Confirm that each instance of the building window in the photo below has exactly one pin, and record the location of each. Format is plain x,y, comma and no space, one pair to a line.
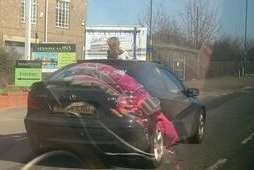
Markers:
62,13
34,11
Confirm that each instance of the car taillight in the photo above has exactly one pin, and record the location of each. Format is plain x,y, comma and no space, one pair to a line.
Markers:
33,103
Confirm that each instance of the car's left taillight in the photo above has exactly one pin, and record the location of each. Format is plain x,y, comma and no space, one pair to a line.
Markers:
37,97
33,103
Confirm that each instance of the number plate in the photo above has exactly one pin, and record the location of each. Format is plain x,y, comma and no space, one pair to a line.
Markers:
82,107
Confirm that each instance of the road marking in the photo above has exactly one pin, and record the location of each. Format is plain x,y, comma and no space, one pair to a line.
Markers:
249,138
20,139
217,165
247,88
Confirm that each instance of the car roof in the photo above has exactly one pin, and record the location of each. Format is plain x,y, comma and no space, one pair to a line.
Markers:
115,61
127,62
140,63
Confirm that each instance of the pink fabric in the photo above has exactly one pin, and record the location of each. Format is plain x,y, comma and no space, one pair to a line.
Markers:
126,103
167,127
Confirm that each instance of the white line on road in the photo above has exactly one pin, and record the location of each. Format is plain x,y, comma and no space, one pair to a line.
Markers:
247,88
249,138
217,165
20,139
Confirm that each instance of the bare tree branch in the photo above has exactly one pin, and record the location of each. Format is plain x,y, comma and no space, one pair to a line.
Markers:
165,29
200,22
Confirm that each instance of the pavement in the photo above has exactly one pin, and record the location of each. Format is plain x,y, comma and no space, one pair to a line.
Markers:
229,144
11,99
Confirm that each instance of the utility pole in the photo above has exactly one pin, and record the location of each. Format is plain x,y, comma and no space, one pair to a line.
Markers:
46,22
245,38
28,11
84,32
150,31
197,28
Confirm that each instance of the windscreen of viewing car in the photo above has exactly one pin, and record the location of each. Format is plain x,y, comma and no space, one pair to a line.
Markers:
127,84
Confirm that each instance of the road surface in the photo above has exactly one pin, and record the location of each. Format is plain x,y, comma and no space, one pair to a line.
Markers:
229,144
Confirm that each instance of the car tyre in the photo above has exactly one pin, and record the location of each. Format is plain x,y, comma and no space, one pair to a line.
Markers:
157,147
200,129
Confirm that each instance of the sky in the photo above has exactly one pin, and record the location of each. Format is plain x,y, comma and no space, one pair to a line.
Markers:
127,12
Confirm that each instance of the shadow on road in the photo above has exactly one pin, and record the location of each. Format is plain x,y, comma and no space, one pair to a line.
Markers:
16,148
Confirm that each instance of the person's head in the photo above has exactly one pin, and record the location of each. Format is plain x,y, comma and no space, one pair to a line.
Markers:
113,43
114,47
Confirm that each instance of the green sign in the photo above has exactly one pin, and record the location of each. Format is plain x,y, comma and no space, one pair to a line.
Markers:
27,73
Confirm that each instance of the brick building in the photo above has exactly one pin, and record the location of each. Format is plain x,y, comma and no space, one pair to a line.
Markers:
66,20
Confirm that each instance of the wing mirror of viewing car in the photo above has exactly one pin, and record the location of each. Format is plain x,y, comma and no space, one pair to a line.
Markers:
192,92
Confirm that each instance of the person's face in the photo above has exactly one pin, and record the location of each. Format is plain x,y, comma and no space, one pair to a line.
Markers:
113,45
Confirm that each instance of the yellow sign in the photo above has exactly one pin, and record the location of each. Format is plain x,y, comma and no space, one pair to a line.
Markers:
66,58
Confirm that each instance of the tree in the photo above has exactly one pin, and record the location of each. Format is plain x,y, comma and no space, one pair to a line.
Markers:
227,49
250,50
200,22
164,28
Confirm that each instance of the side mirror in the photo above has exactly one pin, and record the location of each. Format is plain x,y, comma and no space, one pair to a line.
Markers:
192,92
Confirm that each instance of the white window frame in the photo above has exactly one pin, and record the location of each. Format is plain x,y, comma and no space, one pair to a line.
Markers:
34,11
63,13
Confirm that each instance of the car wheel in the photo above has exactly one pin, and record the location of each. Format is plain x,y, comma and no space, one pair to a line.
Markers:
200,129
157,147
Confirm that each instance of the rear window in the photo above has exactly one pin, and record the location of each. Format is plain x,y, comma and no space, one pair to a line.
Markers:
144,73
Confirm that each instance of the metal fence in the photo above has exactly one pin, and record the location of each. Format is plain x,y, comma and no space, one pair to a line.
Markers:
7,67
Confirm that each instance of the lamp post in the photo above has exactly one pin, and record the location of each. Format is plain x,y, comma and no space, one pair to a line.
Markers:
28,9
46,22
150,30
245,38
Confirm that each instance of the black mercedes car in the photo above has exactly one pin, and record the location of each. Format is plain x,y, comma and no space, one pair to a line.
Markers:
63,113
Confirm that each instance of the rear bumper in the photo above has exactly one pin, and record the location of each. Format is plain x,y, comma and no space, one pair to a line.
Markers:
59,132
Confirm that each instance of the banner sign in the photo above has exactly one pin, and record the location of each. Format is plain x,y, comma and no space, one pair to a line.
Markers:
49,59
27,72
54,56
96,41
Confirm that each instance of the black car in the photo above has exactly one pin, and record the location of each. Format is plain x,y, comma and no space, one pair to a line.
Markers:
61,113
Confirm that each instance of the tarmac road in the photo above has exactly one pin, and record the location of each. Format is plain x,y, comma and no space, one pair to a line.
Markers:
229,144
